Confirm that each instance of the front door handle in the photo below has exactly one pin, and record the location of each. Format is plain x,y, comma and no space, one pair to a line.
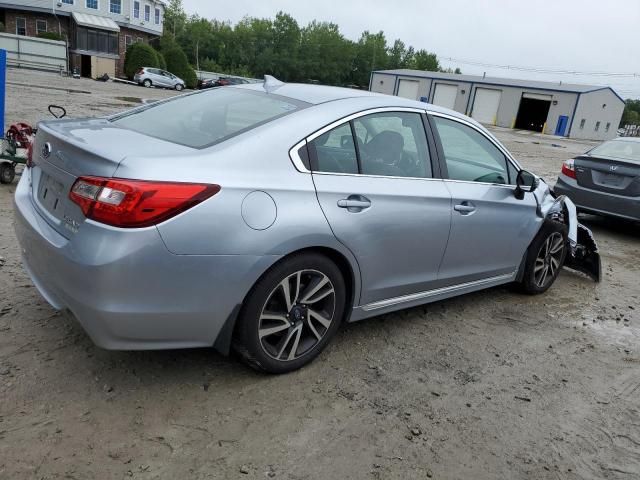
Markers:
465,208
354,203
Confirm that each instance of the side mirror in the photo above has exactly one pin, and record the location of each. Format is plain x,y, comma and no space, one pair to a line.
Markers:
525,182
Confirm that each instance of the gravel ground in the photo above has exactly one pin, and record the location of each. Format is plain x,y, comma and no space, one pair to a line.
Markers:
489,385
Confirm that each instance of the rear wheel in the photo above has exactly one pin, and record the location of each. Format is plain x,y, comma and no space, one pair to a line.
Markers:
291,314
147,83
7,173
545,258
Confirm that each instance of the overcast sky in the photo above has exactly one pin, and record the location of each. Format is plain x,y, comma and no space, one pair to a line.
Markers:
575,35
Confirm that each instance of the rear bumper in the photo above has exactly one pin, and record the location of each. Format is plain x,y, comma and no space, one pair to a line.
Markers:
125,288
601,203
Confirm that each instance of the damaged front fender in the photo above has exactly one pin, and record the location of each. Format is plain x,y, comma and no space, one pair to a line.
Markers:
583,253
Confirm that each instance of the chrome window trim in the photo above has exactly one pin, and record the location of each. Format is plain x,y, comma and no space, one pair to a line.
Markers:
432,293
499,146
297,161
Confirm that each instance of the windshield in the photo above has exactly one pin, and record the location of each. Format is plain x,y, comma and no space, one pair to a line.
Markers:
623,149
203,119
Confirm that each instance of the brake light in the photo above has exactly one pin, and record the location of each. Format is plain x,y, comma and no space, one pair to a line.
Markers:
140,71
136,203
568,168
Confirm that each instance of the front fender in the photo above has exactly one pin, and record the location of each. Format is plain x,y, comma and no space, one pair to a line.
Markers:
583,253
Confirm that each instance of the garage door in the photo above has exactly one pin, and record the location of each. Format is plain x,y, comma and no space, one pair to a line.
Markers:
408,89
445,95
485,105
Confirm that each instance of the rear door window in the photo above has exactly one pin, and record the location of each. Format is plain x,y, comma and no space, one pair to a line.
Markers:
203,119
334,151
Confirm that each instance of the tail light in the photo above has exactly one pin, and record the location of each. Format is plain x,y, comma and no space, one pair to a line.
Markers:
140,71
568,168
136,203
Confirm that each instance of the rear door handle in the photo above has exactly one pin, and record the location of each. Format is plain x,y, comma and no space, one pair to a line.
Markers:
465,208
354,203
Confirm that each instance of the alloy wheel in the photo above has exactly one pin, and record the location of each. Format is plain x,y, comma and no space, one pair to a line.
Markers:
297,315
549,259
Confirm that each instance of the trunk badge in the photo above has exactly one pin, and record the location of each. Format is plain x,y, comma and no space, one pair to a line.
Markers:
46,150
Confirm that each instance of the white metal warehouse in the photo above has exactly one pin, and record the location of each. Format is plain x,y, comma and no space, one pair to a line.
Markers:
563,109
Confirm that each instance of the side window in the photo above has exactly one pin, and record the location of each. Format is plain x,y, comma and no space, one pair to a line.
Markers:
334,151
469,155
393,144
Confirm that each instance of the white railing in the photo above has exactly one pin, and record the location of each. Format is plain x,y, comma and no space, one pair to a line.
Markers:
33,52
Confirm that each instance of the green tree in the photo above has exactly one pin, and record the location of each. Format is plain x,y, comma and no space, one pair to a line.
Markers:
370,54
325,55
631,114
139,55
175,18
424,60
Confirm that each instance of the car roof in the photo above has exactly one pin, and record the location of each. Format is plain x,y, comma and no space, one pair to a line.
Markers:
319,94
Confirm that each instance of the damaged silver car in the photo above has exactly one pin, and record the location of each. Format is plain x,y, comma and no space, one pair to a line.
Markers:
295,208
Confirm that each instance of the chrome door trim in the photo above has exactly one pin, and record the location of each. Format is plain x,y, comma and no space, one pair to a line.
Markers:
499,146
432,293
297,161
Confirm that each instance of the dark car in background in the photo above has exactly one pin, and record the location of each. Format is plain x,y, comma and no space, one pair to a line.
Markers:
605,180
221,82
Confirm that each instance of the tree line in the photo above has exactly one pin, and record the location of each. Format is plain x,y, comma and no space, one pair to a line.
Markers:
281,47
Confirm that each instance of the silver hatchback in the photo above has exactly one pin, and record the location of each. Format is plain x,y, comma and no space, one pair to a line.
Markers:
261,217
156,77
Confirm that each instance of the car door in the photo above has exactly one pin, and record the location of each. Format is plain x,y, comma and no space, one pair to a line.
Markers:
490,228
159,79
381,199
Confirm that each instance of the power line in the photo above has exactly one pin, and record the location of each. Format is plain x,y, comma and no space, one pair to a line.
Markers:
541,69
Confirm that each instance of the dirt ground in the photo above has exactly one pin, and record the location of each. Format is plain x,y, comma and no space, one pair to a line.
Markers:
492,385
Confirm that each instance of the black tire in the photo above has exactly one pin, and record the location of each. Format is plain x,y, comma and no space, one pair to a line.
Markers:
268,293
7,173
147,83
533,282
179,87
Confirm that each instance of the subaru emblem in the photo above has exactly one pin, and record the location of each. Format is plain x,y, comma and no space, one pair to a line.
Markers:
613,168
46,150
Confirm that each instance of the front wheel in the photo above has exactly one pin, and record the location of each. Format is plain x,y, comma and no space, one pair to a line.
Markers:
291,314
7,172
545,258
179,87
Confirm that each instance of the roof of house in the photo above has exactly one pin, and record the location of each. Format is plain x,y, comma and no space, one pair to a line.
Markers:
500,81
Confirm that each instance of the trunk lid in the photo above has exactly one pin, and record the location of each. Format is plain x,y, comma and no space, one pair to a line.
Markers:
66,149
620,177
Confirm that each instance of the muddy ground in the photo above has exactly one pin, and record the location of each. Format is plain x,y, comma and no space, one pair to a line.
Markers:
488,385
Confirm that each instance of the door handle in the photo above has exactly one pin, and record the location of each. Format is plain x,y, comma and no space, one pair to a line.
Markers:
465,208
354,203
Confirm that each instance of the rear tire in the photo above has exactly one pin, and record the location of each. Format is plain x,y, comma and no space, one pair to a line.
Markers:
147,83
7,173
291,314
545,258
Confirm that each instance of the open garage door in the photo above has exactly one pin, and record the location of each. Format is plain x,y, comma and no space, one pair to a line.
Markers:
445,95
485,105
408,89
533,111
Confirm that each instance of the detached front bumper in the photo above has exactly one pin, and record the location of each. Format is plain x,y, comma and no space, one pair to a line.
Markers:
125,288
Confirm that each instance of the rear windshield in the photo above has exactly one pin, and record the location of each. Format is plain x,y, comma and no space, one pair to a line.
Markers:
623,149
203,119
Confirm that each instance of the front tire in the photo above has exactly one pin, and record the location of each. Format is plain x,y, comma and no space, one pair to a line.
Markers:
291,314
179,87
545,258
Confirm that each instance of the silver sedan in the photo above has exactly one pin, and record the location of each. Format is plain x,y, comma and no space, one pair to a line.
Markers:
261,217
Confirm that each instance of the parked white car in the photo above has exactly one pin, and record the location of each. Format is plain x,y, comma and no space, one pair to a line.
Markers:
155,77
